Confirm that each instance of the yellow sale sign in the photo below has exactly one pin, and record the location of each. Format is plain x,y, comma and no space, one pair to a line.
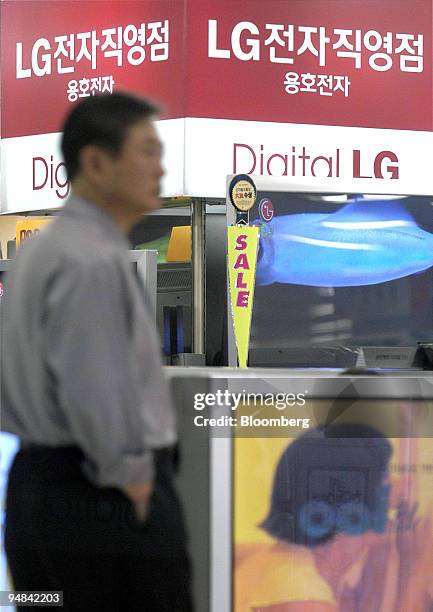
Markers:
242,258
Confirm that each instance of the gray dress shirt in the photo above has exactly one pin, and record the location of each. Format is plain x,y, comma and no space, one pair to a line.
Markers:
80,359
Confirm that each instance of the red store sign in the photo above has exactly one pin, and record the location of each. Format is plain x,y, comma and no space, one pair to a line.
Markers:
319,62
54,53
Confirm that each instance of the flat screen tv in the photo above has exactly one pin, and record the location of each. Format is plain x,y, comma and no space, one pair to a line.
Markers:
342,270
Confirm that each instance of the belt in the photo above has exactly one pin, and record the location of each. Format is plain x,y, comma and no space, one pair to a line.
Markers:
166,459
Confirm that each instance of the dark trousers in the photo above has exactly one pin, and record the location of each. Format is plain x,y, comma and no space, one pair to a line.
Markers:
63,533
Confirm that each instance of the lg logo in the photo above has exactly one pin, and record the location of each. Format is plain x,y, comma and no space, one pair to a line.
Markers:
266,210
385,161
299,161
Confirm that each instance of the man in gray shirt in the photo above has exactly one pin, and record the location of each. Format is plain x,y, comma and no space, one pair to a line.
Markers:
91,509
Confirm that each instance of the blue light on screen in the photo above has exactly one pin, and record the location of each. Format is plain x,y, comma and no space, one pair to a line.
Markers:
363,243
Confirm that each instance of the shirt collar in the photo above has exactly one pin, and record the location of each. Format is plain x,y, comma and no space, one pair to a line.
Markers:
79,208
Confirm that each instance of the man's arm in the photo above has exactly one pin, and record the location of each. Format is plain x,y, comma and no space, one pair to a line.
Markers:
88,354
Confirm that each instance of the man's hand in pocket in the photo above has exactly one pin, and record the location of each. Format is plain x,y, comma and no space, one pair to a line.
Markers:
140,495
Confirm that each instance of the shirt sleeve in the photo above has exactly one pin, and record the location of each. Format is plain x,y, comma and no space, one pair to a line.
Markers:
88,355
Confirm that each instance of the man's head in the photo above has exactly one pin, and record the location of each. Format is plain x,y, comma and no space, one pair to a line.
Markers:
112,152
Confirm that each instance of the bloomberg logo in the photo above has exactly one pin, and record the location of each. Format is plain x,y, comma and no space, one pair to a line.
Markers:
299,161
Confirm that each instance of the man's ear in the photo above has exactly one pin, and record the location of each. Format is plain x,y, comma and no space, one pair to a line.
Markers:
94,163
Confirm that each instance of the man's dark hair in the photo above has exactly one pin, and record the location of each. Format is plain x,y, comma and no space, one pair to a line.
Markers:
101,120
340,468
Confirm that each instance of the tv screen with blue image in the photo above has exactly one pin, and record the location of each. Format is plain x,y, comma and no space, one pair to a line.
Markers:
342,270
